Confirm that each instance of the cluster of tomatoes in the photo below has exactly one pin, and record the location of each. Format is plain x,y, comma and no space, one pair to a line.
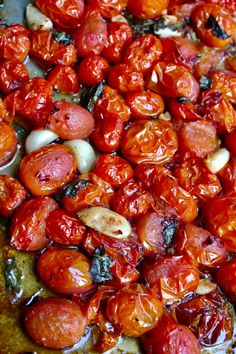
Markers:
170,280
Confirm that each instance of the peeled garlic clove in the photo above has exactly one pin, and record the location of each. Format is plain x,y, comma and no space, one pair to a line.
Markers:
39,138
83,153
35,19
215,162
106,221
205,287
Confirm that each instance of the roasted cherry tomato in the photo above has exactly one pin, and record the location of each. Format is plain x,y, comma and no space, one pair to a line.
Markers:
225,82
125,79
46,170
134,310
147,9
91,37
207,59
64,79
113,169
119,36
13,74
55,323
183,11
225,277
227,176
230,142
14,42
150,141
70,121
12,194
183,109
230,5
219,215
145,174
62,227
230,63
209,317
213,25
28,224
171,278
66,14
8,143
109,9
64,271
92,70
3,111
145,104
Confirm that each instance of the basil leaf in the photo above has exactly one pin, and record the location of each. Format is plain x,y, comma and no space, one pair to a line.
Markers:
101,263
216,29
205,83
71,189
170,227
62,37
182,99
12,274
89,97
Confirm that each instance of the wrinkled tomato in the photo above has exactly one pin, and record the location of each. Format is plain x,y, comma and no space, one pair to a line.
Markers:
225,277
109,9
225,82
64,79
227,176
92,70
12,194
8,143
13,74
145,104
125,79
147,9
14,42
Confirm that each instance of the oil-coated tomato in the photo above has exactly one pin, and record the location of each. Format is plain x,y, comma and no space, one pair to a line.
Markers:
230,142
171,278
225,82
230,63
28,224
14,42
64,271
12,194
32,102
200,246
125,79
145,174
48,51
113,169
13,74
92,70
213,25
55,323
145,104
143,53
209,317
219,215
134,310
119,36
230,5
171,80
207,59
183,109
131,200
65,14
183,11
225,277
150,141
91,37
8,143
109,9
70,121
147,9
64,228
174,339
46,170
64,79
3,111
227,176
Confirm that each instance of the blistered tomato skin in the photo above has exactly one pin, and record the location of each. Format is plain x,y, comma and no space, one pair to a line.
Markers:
14,42
13,74
8,143
12,194
46,170
55,323
230,142
64,79
109,9
144,104
28,224
227,177
183,111
125,79
92,70
225,278
225,82
147,9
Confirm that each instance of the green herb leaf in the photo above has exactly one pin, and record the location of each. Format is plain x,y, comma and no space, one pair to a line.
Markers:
71,189
89,97
182,99
216,29
170,227
62,38
205,83
101,263
12,274
20,132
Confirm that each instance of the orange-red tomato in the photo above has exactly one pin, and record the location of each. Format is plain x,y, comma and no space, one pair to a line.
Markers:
13,74
134,310
145,174
64,79
64,271
147,9
219,215
70,121
182,11
225,277
92,70
171,278
213,25
119,36
230,5
171,80
66,14
3,110
48,52
8,143
109,9
28,224
64,228
184,110
150,141
14,42
230,142
55,323
225,82
144,104
125,79
207,59
230,63
91,37
12,194
46,170
200,246
227,176
113,169
131,200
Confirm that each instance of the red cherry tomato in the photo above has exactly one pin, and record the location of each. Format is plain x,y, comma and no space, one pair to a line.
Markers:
109,9
92,70
3,111
46,170
230,63
147,9
28,224
230,5
14,42
182,11
64,79
225,82
225,278
8,143
144,104
125,79
13,74
207,59
230,142
183,109
227,176
12,194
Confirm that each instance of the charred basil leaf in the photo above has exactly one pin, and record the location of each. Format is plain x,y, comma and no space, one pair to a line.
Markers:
62,38
205,83
90,96
216,29
12,274
170,227
182,99
101,263
71,189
